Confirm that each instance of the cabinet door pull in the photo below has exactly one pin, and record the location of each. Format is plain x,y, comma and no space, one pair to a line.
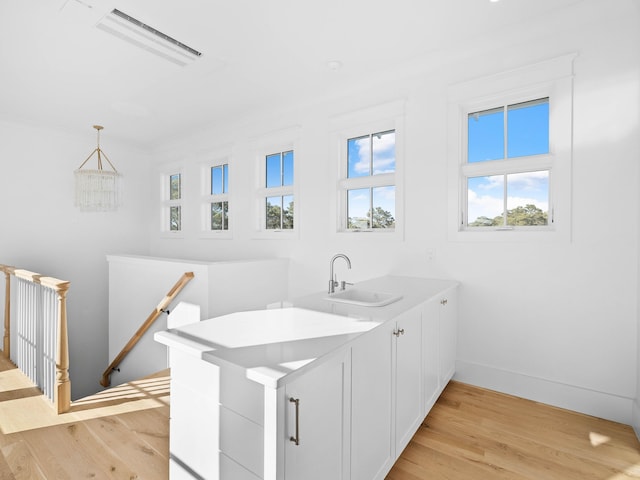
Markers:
443,302
296,439
399,332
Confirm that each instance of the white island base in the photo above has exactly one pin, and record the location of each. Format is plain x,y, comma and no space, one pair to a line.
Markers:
321,390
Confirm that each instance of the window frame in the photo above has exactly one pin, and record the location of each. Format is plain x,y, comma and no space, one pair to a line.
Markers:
366,122
207,198
167,203
281,141
506,165
552,79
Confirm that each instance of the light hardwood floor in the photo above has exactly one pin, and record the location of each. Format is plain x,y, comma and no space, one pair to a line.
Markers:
471,434
121,433
476,434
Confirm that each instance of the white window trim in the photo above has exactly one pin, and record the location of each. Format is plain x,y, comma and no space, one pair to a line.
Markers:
553,79
381,118
218,158
166,172
276,142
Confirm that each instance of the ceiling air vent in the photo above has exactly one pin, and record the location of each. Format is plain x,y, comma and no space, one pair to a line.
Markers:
142,35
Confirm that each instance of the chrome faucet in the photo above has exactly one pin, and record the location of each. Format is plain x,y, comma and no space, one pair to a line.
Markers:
333,281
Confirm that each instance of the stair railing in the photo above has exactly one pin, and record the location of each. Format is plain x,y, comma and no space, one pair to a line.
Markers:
155,313
39,320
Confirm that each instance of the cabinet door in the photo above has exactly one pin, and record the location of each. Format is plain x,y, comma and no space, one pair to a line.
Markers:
409,400
448,335
431,353
317,421
372,447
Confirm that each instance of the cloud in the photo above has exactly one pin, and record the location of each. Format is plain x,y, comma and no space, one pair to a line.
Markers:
485,195
483,205
363,154
384,155
492,206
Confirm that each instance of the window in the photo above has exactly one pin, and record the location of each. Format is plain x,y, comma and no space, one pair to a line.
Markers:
218,202
278,192
371,159
276,209
368,150
510,154
507,168
173,202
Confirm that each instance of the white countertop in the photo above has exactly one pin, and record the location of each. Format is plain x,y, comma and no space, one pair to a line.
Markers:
275,346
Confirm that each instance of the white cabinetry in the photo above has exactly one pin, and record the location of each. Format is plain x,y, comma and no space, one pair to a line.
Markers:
386,394
448,314
408,381
338,400
439,344
372,435
225,427
316,430
431,353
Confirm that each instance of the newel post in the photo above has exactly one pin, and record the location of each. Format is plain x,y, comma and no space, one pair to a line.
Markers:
6,340
63,384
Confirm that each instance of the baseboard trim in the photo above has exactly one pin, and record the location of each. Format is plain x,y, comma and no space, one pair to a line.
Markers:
636,418
590,402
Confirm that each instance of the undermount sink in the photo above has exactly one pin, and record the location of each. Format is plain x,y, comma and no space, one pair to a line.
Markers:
365,298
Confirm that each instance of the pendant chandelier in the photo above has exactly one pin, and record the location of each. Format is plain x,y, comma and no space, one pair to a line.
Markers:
97,190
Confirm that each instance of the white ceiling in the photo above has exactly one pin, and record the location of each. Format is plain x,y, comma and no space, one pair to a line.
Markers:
58,69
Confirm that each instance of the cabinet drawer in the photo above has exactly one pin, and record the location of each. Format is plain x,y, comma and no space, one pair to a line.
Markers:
242,395
198,451
242,440
192,371
230,470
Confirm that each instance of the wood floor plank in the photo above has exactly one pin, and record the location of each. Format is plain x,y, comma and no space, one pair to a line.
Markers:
23,463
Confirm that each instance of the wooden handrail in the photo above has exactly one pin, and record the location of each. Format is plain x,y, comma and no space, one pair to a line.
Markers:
161,307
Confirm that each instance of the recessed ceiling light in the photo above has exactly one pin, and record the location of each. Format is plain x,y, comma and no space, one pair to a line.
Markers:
334,65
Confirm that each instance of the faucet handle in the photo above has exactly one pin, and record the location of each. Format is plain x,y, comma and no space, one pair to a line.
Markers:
343,285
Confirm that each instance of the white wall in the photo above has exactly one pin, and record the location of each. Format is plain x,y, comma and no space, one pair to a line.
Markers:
42,231
555,322
636,404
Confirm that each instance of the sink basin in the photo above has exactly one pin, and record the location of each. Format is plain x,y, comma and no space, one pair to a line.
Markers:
365,298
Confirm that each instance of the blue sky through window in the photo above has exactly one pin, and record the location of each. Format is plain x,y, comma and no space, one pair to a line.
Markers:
368,155
279,169
527,133
219,179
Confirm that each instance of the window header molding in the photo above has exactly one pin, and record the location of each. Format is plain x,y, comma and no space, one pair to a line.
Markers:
367,118
504,82
280,139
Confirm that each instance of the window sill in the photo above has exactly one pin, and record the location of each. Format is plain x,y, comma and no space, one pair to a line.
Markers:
383,234
276,235
509,235
216,234
173,235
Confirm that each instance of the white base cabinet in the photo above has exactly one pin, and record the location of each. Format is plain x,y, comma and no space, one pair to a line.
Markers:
448,317
317,423
408,378
439,344
348,416
372,433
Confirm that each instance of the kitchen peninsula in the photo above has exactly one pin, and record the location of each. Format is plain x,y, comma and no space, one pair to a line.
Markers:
320,389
